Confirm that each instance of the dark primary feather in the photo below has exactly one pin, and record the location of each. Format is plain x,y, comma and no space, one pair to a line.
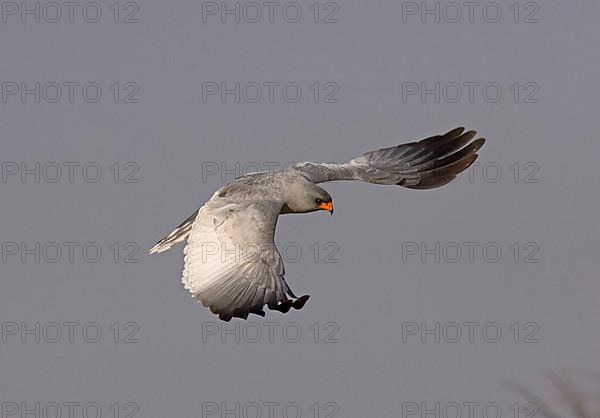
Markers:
426,164
429,163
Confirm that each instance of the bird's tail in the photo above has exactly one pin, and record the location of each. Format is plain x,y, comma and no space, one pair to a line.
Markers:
427,164
178,235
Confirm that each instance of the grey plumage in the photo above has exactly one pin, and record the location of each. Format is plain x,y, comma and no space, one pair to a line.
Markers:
429,163
231,263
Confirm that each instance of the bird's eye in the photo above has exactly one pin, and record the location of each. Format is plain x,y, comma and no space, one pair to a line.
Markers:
318,201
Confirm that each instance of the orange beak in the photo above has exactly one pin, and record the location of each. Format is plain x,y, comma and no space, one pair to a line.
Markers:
327,206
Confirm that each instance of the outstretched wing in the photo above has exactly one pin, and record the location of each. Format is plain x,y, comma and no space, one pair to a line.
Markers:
426,164
231,263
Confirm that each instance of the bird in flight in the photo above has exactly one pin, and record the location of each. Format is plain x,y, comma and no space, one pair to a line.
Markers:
231,264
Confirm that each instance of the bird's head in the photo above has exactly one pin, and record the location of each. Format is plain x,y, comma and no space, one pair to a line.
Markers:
304,196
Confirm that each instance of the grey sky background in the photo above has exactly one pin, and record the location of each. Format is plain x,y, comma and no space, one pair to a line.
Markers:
371,291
